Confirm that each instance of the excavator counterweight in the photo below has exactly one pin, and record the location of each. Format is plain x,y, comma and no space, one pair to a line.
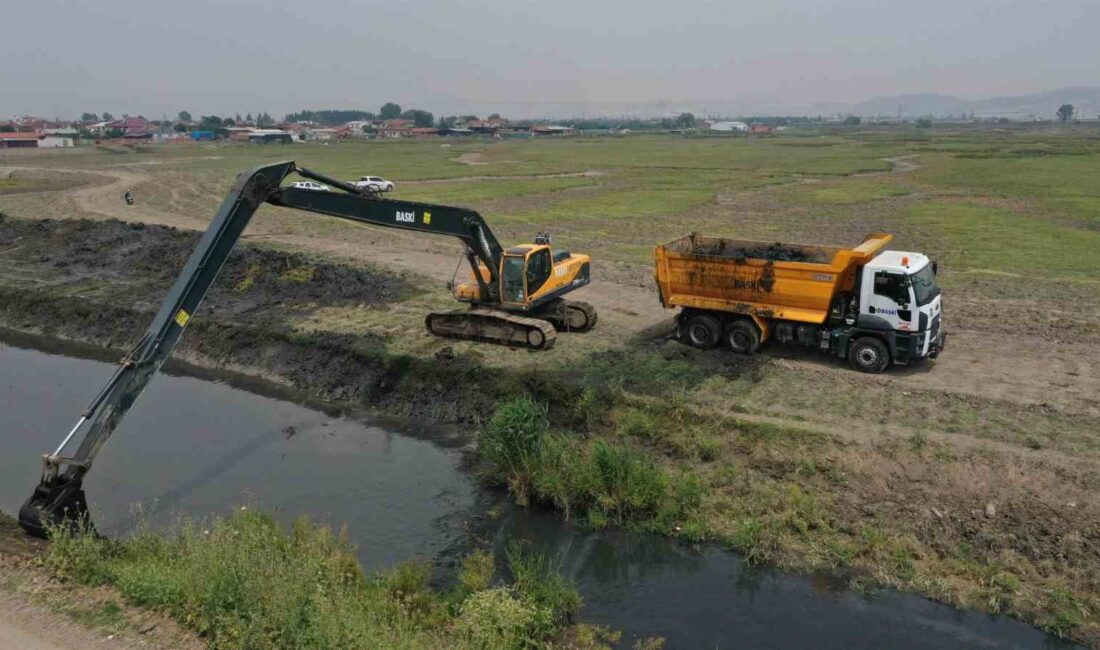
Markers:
515,299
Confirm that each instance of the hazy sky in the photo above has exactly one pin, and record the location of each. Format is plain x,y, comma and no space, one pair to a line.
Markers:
569,57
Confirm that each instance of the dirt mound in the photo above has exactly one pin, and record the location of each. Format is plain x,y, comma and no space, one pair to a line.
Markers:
776,252
14,541
152,256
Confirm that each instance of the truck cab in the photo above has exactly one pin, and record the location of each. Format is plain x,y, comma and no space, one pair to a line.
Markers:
899,298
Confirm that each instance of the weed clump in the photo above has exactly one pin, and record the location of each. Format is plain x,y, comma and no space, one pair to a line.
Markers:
608,483
247,582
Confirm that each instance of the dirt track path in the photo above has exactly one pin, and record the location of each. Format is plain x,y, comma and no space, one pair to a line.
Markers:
987,365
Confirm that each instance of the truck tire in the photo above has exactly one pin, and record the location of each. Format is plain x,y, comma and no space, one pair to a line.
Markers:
743,336
703,331
869,354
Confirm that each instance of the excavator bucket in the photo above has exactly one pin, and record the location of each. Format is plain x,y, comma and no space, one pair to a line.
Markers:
55,504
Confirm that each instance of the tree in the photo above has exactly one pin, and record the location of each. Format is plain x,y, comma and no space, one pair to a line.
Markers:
7,128
107,117
467,118
180,128
263,119
390,111
446,122
184,116
228,122
852,120
924,122
1065,112
494,116
89,117
418,117
210,122
685,121
248,118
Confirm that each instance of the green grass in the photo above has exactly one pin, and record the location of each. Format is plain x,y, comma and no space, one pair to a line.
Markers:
983,238
246,582
848,193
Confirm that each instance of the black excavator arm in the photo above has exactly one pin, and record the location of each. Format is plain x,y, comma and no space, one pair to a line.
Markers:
59,497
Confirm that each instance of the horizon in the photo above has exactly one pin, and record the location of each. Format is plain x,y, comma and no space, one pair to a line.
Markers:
580,60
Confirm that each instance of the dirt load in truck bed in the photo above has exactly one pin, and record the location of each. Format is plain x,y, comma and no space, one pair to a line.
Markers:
776,252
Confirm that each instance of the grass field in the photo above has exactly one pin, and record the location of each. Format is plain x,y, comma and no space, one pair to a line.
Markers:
798,460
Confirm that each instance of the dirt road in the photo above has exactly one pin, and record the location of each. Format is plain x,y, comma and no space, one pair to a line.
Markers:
989,365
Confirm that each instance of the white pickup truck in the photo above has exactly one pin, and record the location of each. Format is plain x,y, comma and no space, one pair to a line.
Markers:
376,183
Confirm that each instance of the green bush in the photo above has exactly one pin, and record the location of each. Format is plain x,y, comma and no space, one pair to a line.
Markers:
496,618
476,573
539,582
247,582
513,437
638,424
607,483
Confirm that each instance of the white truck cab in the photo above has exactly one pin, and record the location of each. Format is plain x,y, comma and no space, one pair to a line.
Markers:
898,296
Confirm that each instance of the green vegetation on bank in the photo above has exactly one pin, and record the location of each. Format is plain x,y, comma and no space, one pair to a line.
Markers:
775,494
247,582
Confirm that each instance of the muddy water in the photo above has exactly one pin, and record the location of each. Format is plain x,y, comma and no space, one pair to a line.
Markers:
198,445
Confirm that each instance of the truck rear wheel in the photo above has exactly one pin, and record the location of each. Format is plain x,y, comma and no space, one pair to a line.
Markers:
703,331
743,336
869,354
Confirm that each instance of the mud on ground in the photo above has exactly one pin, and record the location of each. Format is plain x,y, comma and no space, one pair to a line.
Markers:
101,282
148,258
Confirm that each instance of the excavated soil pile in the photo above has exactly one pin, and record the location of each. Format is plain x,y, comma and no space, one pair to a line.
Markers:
776,252
147,258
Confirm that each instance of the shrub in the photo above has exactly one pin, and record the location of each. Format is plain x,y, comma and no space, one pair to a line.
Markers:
495,618
608,483
514,434
540,583
637,423
476,573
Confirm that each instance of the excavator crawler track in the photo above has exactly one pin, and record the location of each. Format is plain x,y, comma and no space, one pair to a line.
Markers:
580,316
493,326
569,315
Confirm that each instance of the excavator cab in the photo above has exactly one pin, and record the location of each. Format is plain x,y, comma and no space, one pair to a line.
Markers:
524,272
530,276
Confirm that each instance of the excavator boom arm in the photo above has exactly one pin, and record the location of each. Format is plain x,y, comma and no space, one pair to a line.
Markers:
59,496
467,225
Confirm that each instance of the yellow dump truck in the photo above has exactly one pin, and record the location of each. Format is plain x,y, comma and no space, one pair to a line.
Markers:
872,306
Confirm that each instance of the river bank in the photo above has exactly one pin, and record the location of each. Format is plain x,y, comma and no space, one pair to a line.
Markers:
896,510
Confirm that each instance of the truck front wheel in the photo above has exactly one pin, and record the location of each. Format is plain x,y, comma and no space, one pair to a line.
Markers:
703,331
743,336
869,355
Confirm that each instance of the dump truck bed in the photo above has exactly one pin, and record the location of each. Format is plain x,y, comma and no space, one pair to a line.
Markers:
769,280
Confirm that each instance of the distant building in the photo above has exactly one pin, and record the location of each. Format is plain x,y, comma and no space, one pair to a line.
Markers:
19,140
270,136
202,136
395,128
728,127
322,135
760,128
56,141
486,126
131,125
552,129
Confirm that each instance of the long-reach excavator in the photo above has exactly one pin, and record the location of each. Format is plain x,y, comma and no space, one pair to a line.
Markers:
514,297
